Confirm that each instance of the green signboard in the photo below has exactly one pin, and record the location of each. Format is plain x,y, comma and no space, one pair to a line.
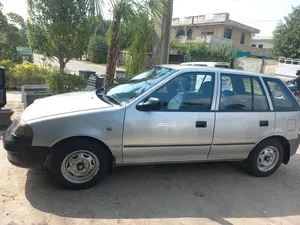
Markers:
24,51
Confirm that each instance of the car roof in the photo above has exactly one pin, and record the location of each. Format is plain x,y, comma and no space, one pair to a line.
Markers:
215,69
206,63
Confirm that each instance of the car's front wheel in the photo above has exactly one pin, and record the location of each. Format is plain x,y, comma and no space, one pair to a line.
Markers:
265,158
79,164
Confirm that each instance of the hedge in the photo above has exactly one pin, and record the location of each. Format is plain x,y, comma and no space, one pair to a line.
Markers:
97,49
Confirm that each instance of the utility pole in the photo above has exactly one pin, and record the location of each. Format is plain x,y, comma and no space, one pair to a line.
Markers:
166,30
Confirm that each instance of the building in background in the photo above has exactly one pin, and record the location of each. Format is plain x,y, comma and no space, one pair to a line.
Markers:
216,29
264,42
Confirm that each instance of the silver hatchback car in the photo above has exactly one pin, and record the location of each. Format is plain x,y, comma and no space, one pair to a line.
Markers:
169,114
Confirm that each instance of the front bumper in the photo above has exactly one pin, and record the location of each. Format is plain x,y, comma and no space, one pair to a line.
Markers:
21,153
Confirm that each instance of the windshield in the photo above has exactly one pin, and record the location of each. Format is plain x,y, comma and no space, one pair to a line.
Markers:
124,93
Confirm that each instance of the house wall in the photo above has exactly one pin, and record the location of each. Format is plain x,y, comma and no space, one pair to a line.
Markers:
266,43
197,30
219,31
236,38
256,65
248,64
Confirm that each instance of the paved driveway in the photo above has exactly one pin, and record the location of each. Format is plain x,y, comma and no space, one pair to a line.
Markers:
73,65
205,193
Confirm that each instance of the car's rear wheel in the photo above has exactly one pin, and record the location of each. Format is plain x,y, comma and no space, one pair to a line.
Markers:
79,164
265,158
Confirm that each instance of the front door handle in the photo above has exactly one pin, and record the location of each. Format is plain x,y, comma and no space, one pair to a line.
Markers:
201,124
263,123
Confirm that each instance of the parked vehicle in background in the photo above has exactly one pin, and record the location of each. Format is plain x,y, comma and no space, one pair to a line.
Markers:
295,90
209,64
169,114
288,68
294,86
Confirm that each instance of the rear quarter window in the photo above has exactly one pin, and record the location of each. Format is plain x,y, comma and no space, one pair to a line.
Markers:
282,98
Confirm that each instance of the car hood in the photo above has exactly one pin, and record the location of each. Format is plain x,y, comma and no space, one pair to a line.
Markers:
64,103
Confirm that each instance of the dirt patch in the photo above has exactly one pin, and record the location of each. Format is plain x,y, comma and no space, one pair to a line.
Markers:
17,107
203,193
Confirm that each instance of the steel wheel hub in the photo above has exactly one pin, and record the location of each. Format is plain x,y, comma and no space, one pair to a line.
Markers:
268,158
80,166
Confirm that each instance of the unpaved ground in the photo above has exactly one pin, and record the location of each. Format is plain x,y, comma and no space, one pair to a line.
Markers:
205,193
14,103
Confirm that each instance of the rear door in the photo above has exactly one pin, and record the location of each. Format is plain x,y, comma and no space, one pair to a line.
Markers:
243,116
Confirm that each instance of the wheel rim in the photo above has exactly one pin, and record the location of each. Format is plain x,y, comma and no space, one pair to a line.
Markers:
80,166
267,158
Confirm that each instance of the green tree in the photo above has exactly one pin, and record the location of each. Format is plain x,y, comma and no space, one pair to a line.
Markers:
97,49
3,19
59,28
286,39
10,38
99,25
18,20
140,43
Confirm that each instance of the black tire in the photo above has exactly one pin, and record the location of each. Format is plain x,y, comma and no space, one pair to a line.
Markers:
62,150
252,164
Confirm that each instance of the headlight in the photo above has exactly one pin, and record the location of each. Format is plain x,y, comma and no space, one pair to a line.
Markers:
21,129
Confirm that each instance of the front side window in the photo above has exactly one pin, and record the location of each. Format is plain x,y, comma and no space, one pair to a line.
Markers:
242,93
187,92
125,93
282,98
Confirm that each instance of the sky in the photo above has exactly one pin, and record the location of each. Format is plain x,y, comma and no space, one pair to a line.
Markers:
260,14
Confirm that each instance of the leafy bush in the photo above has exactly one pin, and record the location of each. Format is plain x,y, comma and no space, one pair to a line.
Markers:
180,48
58,83
97,49
7,64
27,73
203,52
209,53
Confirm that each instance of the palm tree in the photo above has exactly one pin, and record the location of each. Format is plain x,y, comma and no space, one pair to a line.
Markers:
126,11
166,27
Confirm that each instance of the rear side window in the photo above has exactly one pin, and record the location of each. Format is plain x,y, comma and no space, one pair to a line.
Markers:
242,93
282,98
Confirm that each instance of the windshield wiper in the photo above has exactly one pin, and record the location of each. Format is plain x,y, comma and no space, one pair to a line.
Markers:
102,93
112,99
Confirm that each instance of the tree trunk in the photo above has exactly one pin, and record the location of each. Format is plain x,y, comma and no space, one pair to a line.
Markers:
166,29
62,65
113,52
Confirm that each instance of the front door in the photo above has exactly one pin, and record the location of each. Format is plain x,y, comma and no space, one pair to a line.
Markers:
181,130
243,118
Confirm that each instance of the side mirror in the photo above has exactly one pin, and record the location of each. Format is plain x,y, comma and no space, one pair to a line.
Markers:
152,104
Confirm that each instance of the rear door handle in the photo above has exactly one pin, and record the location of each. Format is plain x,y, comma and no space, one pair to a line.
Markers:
263,123
201,124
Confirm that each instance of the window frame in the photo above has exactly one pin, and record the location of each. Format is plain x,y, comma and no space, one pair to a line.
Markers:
214,92
296,106
226,28
251,77
243,38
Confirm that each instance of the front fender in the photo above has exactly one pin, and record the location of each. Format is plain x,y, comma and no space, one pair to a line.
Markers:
103,125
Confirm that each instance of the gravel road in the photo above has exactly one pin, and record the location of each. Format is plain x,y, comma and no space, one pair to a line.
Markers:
204,193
